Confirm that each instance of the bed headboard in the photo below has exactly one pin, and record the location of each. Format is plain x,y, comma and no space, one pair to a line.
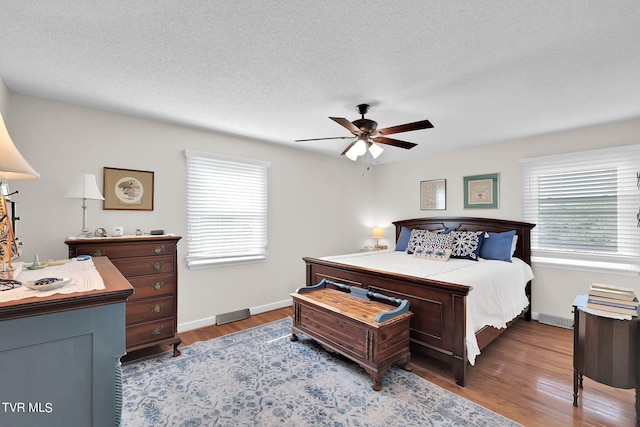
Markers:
523,229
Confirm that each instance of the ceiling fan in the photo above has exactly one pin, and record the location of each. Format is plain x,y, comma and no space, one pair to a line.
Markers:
367,134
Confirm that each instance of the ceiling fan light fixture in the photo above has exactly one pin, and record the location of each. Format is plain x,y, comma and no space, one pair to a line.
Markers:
375,150
360,147
351,155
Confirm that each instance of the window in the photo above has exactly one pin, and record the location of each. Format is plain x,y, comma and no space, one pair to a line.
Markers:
585,206
226,210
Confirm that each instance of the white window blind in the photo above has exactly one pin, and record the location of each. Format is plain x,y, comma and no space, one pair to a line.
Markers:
226,209
585,206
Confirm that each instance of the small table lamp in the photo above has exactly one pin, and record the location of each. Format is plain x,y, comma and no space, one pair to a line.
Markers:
84,187
12,166
378,233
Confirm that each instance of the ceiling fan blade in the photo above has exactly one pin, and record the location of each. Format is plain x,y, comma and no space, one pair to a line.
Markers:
394,142
347,124
320,139
424,124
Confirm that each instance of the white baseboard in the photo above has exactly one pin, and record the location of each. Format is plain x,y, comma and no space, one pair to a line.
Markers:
208,321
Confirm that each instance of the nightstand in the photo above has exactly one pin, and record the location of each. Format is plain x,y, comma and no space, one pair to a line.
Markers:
605,350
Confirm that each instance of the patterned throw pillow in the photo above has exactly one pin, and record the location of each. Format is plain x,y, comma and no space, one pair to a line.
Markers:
428,239
436,254
466,244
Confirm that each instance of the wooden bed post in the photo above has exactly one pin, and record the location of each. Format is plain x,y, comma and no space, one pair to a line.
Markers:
459,346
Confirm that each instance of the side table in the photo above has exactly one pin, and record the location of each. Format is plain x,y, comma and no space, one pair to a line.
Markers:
605,350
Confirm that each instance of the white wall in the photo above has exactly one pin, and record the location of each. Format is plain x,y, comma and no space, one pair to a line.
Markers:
397,196
318,205
4,100
313,199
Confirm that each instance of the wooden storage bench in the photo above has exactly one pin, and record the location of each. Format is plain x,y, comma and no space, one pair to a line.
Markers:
356,324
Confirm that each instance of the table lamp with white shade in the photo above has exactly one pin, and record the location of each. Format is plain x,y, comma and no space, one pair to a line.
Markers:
12,166
84,187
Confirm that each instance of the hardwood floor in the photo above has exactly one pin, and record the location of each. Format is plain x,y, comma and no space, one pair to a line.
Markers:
526,375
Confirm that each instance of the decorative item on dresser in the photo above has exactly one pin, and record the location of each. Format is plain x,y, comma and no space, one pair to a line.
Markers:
84,187
150,264
12,166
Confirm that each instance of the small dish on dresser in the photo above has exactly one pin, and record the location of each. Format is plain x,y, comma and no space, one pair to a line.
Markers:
47,284
35,266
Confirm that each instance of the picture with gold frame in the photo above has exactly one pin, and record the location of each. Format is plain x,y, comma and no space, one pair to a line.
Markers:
127,189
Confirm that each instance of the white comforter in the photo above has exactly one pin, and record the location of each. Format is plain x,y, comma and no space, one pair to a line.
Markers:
498,293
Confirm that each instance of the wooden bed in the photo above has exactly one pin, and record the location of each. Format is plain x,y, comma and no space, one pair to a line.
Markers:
438,326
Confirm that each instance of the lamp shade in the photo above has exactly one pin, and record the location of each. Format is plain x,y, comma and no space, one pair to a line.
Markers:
12,164
351,154
84,187
360,147
357,149
377,232
375,150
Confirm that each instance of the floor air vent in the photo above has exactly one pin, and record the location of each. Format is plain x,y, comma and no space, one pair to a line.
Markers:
233,316
555,321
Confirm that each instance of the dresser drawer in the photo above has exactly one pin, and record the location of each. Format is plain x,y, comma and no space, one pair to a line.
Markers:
150,309
153,286
147,332
142,266
123,250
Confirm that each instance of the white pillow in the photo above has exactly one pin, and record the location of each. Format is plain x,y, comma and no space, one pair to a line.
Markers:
436,254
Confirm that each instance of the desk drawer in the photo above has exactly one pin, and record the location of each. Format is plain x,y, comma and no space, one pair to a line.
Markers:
150,309
146,265
143,333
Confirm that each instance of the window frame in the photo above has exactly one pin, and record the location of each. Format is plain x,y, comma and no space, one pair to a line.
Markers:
626,161
239,228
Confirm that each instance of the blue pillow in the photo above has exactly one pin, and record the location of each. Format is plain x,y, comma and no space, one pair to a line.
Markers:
403,239
497,246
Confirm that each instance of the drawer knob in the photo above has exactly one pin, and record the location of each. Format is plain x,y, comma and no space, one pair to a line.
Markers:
156,308
157,266
158,249
157,331
157,286
99,252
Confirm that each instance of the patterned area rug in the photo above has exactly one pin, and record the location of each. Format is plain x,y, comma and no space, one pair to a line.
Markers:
258,377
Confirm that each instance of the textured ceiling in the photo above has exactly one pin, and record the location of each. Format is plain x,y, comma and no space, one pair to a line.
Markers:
480,71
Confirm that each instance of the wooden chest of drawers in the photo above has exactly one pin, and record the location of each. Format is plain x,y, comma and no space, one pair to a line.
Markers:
150,264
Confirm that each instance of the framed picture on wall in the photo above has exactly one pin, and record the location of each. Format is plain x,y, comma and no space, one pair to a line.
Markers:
433,194
481,191
127,189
